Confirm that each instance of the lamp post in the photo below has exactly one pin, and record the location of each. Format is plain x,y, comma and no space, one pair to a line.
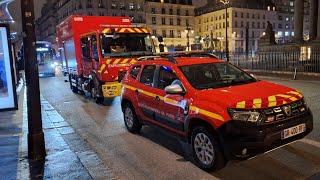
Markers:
188,37
36,144
226,3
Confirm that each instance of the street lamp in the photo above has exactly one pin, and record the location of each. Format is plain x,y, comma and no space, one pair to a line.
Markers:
188,30
226,3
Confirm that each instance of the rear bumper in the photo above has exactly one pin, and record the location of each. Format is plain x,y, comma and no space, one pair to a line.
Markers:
242,140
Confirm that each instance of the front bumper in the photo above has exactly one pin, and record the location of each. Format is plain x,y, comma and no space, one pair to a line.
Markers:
244,140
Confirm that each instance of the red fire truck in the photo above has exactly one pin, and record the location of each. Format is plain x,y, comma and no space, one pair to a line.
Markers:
98,49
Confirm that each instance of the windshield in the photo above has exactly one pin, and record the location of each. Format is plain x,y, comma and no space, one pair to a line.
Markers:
215,75
126,44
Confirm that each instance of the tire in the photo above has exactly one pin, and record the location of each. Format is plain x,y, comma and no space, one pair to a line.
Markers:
95,90
73,89
206,151
130,119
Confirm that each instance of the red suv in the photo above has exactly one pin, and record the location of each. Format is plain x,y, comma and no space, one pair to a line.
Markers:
223,112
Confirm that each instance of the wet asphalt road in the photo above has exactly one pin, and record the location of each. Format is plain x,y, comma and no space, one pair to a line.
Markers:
156,155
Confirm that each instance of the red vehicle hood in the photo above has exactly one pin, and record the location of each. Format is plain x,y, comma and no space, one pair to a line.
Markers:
261,94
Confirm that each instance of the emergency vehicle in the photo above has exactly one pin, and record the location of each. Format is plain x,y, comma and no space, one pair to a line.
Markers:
97,49
223,112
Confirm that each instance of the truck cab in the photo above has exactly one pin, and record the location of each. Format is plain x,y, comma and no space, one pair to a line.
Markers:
99,49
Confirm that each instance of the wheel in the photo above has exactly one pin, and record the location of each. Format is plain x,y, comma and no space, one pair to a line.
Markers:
73,89
96,90
206,150
130,119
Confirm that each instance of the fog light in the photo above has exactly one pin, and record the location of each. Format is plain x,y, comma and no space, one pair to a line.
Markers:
244,151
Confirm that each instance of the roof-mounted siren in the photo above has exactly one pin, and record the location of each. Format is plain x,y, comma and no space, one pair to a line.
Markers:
5,16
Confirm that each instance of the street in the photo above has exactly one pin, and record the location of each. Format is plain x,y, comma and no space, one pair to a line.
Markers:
154,154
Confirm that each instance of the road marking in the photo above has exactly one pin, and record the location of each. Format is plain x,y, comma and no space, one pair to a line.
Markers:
310,142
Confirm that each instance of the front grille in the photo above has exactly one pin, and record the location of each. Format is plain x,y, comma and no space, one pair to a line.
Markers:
284,112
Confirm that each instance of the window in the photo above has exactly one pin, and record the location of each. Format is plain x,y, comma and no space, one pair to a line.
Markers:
163,10
154,20
178,22
124,44
280,26
242,15
166,77
154,32
178,12
131,6
235,14
94,47
258,25
135,71
164,33
171,21
236,24
241,24
253,26
253,34
215,75
171,34
248,15
147,75
187,22
171,11
187,12
179,33
163,20
153,10
85,48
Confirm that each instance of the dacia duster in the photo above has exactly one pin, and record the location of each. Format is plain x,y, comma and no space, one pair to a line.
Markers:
222,111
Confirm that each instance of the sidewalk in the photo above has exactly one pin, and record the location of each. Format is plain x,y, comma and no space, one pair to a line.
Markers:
68,156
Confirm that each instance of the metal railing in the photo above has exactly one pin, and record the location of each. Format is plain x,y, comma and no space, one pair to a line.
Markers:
306,62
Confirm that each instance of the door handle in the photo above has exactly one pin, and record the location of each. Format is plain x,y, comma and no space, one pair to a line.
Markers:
157,98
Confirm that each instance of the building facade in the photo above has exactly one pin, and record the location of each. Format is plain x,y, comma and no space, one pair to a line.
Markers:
243,26
55,11
173,20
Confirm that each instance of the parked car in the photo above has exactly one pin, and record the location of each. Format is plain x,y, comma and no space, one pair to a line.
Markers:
223,112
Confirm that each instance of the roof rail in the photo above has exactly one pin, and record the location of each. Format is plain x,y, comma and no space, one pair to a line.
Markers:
170,56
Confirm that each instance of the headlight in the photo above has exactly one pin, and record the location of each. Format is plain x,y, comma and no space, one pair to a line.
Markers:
52,65
250,116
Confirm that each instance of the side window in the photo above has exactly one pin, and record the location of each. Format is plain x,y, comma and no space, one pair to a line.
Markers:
85,48
166,77
147,75
135,71
94,47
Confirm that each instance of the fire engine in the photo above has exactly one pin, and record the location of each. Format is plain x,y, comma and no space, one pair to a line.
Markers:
97,49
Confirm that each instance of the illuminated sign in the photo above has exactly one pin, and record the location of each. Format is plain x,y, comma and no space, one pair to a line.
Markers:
8,96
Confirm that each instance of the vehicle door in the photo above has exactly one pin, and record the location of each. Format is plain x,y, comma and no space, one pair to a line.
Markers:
145,93
171,106
86,55
95,52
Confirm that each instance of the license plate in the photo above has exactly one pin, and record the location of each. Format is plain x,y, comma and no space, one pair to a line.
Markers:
287,133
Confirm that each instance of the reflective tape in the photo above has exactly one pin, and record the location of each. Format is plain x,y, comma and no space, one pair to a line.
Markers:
171,101
124,61
257,103
272,101
241,105
116,61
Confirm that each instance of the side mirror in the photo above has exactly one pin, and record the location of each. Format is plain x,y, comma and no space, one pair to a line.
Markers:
174,89
121,75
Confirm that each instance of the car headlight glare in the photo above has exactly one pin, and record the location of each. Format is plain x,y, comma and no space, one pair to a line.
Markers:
250,116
